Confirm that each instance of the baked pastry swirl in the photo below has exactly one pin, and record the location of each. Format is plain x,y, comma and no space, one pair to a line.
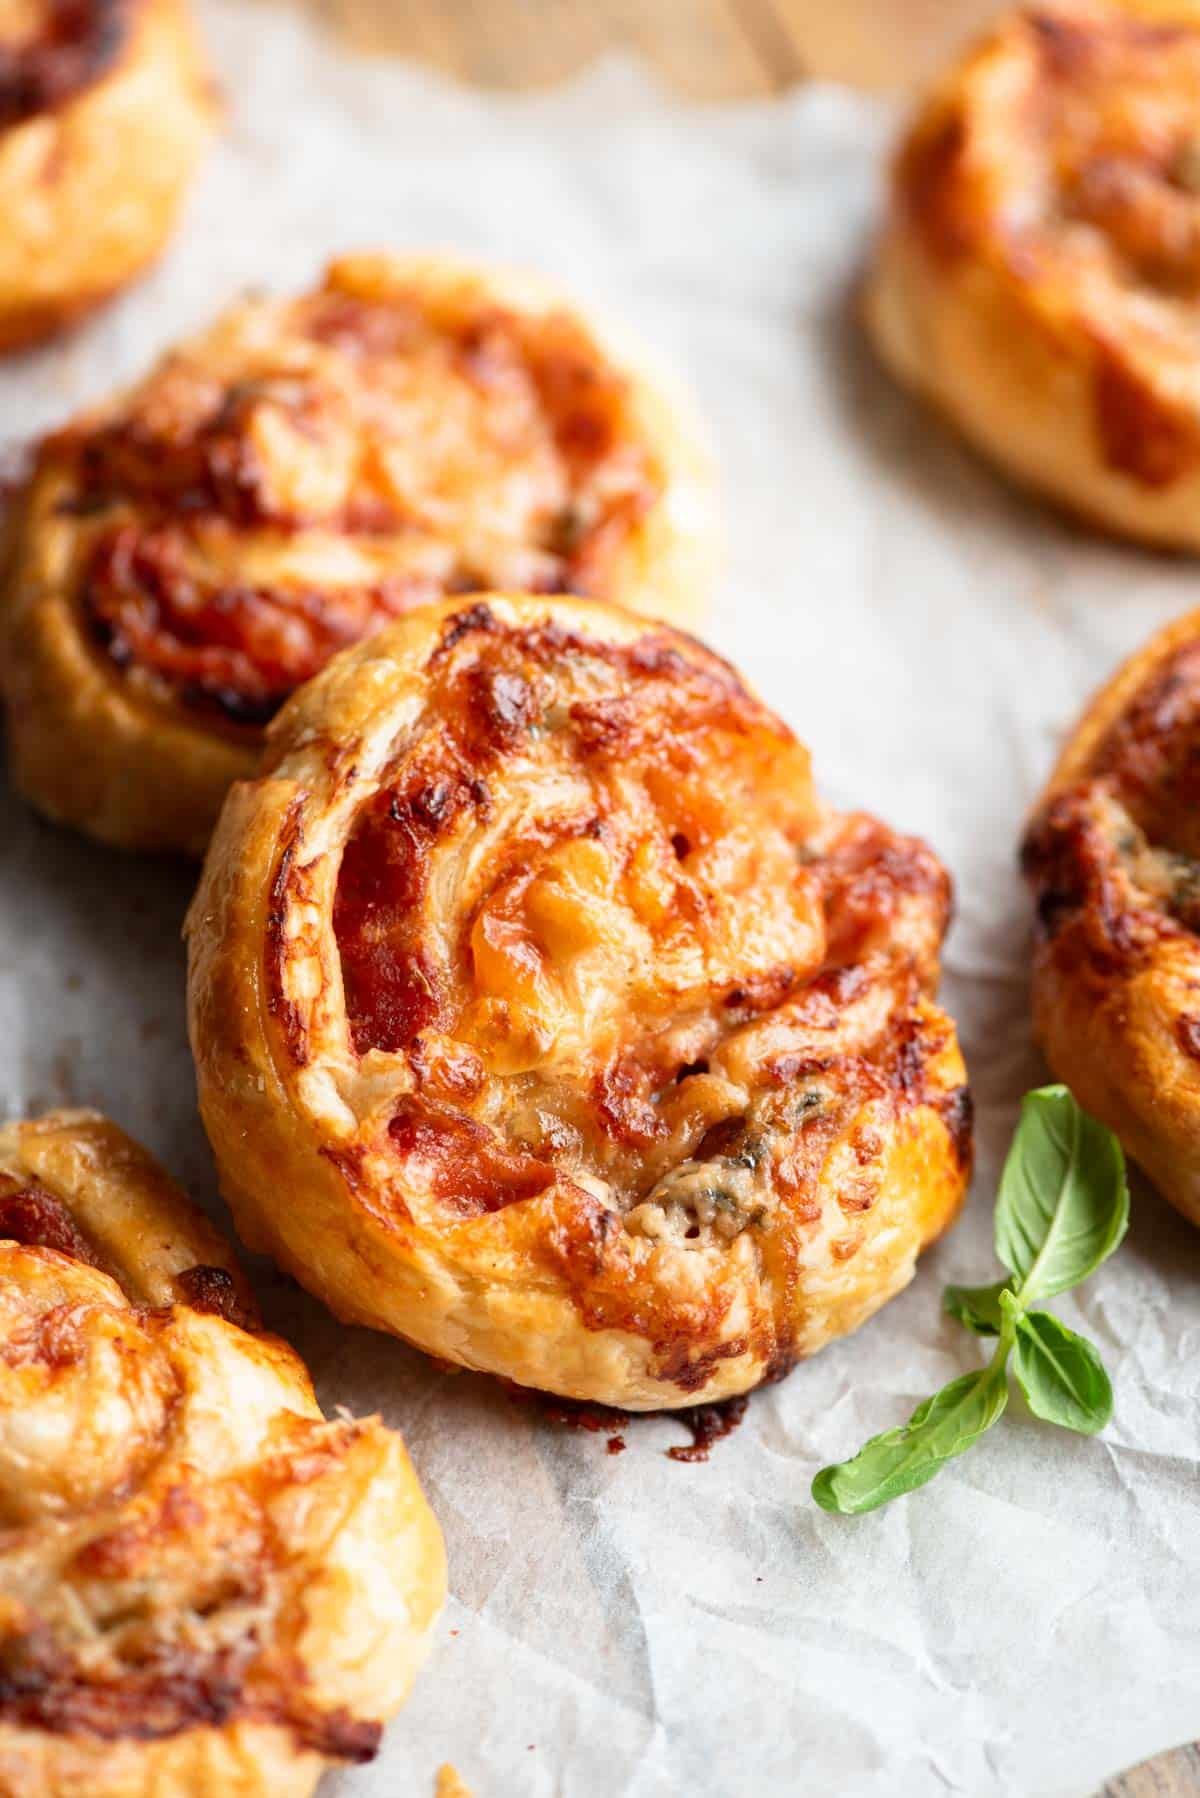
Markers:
205,1588
1038,278
542,1014
1112,855
293,480
105,108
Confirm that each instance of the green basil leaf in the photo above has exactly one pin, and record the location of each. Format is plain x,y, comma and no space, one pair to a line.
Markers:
900,1460
976,1306
1061,1374
1063,1205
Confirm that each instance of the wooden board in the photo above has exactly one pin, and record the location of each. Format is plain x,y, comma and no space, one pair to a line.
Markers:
1172,1775
706,50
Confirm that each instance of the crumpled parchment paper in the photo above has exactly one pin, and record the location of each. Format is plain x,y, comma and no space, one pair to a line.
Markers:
1027,1624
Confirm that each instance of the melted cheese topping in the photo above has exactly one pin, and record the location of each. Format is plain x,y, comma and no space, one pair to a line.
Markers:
312,468
170,1498
1118,850
543,1015
595,908
1066,153
1112,855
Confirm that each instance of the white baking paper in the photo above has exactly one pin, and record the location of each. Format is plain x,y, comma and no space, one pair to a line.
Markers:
1030,1622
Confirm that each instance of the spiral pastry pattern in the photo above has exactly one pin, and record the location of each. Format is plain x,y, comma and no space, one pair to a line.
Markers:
303,474
1039,274
543,1015
105,108
205,1588
1112,855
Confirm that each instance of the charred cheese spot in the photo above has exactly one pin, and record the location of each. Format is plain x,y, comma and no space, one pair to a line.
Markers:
213,1291
314,468
53,50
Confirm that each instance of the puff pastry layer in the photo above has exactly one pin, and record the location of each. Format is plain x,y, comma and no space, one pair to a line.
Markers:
205,1588
1039,275
295,479
105,108
543,1015
1113,857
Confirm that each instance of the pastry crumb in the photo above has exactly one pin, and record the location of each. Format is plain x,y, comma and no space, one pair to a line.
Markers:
449,1784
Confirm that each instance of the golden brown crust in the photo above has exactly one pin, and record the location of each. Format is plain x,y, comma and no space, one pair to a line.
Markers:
293,480
205,1588
1112,855
1038,277
586,1046
105,108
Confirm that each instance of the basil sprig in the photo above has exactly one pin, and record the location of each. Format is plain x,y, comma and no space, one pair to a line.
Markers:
1062,1208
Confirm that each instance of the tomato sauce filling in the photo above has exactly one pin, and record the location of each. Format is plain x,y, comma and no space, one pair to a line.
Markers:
34,1218
236,651
169,1688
